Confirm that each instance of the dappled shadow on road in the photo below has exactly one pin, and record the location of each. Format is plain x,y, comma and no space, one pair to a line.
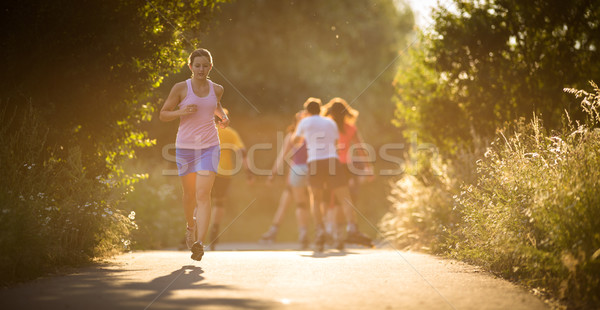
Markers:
107,288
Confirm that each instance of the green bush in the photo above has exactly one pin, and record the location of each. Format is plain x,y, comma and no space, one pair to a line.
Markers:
534,214
530,212
157,203
53,213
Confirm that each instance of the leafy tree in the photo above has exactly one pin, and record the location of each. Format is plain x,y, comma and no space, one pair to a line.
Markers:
89,66
489,62
274,54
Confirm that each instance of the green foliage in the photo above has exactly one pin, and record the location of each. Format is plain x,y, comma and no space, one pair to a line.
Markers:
286,51
89,67
425,105
158,207
534,214
85,70
490,62
311,47
530,210
54,212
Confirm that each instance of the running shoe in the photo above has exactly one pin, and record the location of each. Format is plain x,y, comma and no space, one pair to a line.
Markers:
190,233
357,237
329,241
338,239
303,239
338,243
320,238
197,251
269,236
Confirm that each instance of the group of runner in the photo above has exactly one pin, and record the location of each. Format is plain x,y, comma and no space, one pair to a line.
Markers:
205,152
319,145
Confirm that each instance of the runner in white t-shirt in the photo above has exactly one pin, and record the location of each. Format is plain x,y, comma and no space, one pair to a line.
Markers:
321,135
325,171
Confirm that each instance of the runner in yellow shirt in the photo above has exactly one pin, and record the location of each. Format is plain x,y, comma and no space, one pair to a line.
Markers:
230,164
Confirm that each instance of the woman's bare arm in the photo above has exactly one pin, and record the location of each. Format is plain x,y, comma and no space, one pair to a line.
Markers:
167,113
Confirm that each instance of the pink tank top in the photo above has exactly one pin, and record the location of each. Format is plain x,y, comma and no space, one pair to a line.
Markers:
198,130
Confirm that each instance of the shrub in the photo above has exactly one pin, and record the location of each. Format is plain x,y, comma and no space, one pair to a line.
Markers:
530,212
53,213
158,206
534,214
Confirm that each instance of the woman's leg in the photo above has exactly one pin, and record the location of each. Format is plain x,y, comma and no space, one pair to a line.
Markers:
284,200
271,234
188,183
204,183
342,194
316,193
302,212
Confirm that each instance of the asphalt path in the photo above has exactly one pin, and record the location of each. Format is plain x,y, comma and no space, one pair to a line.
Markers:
249,276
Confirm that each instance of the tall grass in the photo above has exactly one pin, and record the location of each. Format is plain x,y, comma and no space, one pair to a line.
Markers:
421,206
52,213
423,214
533,214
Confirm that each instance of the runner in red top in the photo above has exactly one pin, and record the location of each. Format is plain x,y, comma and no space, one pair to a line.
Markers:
349,140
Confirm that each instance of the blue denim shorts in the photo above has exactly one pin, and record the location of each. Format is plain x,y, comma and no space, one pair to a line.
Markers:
191,160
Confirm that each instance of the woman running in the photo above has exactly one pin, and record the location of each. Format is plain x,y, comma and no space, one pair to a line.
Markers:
195,102
349,138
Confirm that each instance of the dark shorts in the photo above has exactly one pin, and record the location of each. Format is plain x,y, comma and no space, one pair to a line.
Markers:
220,187
327,174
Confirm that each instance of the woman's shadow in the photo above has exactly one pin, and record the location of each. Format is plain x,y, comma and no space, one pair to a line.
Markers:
186,277
189,277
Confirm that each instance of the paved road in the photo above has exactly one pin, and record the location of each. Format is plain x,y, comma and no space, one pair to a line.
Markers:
273,279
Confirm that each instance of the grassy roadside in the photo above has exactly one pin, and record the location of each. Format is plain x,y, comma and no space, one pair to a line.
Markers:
531,215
